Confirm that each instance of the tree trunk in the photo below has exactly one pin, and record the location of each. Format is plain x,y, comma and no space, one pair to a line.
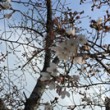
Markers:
107,103
33,101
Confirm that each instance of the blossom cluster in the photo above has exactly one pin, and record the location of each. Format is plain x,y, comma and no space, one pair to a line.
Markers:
51,73
69,48
66,50
63,92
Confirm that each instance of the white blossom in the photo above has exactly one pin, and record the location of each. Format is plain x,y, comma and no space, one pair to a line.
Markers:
66,49
9,1
87,100
71,32
64,93
75,78
99,21
52,69
69,48
65,46
62,51
51,85
72,45
83,68
79,60
81,39
63,55
45,76
71,107
9,108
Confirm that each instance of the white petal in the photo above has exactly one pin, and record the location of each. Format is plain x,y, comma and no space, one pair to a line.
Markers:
49,70
62,95
71,32
99,21
54,48
52,68
75,78
9,1
79,60
73,45
51,85
81,39
63,56
44,74
43,78
67,94
53,65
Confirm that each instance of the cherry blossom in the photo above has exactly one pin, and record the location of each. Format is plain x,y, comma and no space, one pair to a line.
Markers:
71,107
66,49
72,46
51,85
9,1
81,39
75,78
99,21
64,93
62,51
71,32
79,60
52,69
87,100
45,76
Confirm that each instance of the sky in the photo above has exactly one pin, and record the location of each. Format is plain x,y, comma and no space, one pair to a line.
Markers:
31,78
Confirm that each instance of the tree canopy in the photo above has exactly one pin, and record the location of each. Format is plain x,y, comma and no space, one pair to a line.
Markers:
54,55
